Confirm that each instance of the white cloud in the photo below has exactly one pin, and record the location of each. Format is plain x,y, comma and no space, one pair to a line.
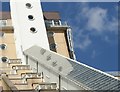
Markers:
97,22
82,41
85,43
112,25
96,19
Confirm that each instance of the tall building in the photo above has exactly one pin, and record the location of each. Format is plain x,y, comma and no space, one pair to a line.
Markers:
59,35
7,41
27,64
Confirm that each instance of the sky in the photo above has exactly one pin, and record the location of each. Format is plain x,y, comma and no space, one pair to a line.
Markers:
95,31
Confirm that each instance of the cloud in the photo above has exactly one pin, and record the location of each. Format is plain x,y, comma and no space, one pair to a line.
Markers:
96,19
82,41
112,26
93,22
85,43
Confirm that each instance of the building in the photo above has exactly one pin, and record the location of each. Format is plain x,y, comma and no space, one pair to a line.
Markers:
7,41
59,35
38,68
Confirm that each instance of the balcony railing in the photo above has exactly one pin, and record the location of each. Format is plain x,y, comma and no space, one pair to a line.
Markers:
5,24
55,24
72,73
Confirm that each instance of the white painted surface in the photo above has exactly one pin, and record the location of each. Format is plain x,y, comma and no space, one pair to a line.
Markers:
24,39
69,82
51,74
48,58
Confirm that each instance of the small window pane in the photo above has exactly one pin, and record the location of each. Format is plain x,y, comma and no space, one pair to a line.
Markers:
53,46
3,22
33,30
28,5
3,46
56,23
30,17
1,34
4,59
48,23
50,34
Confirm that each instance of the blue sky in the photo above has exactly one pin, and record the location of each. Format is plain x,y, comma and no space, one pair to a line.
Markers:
95,31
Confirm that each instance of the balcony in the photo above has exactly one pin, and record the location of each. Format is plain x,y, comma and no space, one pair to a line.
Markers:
55,24
5,24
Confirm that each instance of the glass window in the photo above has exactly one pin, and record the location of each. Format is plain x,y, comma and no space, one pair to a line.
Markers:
1,34
48,23
50,34
3,22
4,59
56,22
53,46
33,30
28,5
3,46
30,17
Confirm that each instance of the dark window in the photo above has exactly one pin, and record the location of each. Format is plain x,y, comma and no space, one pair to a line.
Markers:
3,22
56,23
4,59
48,23
28,5
3,46
53,47
33,30
30,17
50,34
1,34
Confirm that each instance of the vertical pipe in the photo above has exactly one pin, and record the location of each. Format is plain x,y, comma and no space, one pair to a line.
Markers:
42,77
26,59
59,83
37,66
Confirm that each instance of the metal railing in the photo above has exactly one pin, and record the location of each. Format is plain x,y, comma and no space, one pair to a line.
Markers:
53,24
60,75
81,75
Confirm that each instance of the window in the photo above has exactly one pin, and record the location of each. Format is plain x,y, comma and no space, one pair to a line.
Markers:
33,30
1,34
53,46
4,59
30,17
28,5
48,23
50,34
56,22
3,46
3,23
